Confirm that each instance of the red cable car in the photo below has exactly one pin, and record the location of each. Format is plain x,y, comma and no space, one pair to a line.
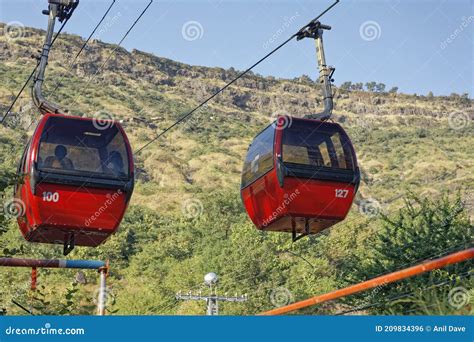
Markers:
76,179
299,176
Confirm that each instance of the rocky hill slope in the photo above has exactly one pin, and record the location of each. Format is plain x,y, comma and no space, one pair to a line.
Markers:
405,143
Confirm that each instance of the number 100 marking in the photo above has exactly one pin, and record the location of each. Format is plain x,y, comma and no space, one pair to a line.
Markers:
50,196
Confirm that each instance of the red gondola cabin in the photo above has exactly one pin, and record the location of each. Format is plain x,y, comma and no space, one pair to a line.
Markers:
299,176
76,179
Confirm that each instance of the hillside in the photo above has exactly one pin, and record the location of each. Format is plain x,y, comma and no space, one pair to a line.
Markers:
185,217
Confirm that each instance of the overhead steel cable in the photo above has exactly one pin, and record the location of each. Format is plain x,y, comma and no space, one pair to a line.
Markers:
116,47
243,73
390,299
84,46
32,73
424,267
22,307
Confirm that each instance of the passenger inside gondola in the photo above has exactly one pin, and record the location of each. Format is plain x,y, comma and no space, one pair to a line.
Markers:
115,164
59,160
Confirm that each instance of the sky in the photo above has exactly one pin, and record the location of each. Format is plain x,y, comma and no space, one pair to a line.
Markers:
418,46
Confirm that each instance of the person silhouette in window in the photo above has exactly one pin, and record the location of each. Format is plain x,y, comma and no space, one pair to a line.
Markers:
59,160
315,156
115,164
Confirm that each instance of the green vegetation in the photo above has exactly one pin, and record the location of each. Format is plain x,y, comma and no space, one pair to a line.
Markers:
406,145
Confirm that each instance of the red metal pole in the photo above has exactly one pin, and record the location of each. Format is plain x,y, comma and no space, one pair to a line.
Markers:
382,280
34,277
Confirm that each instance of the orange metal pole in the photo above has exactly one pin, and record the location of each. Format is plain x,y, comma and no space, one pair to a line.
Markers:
425,266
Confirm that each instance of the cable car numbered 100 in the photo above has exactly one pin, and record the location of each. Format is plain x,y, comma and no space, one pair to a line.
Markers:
76,177
299,176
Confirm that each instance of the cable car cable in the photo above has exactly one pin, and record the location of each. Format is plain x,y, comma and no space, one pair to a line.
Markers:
22,307
32,73
116,47
436,254
243,73
83,46
404,295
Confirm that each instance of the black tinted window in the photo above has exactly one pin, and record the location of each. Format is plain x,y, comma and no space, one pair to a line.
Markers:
77,146
259,158
316,144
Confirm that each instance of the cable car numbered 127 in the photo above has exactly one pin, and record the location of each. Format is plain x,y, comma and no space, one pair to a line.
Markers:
299,176
76,177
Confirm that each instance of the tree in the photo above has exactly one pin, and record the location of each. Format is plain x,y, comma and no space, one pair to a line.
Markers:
465,99
346,85
422,229
393,90
357,86
304,79
370,86
380,87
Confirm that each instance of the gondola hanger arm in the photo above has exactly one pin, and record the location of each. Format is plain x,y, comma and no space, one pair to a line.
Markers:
315,31
61,9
